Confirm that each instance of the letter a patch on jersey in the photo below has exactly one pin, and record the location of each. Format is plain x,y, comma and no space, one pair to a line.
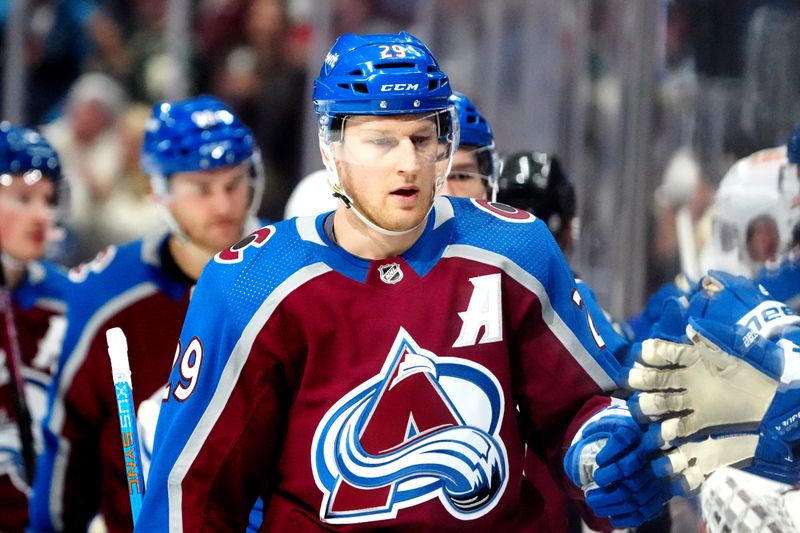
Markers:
425,427
484,312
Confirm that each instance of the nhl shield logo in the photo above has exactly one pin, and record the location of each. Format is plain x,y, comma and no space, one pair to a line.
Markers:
390,273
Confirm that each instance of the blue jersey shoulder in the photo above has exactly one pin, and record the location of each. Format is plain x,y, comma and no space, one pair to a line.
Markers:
46,285
507,231
245,274
783,280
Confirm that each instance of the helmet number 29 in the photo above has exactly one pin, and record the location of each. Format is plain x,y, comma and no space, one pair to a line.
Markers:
395,51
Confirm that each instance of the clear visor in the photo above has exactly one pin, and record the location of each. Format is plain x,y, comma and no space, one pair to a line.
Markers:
474,166
413,142
245,181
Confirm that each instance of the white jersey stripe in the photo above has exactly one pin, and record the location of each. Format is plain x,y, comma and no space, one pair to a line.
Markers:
227,384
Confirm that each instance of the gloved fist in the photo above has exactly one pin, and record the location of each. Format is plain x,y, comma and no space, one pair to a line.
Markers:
724,377
607,460
687,465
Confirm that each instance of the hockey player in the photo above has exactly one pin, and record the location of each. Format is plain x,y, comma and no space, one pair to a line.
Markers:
382,365
473,173
30,178
534,181
204,173
756,210
782,277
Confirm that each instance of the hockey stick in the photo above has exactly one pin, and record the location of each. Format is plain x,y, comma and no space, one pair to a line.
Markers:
686,244
17,383
121,372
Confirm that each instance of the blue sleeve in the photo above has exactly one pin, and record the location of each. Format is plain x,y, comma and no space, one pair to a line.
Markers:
199,440
783,281
616,343
79,10
87,289
643,323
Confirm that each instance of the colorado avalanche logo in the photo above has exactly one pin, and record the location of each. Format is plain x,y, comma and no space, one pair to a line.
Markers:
424,427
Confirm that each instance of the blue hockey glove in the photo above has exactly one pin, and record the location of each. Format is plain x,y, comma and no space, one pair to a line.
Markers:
730,299
607,461
782,280
726,396
778,452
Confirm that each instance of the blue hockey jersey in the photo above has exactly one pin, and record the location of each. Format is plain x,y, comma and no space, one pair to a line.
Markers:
81,471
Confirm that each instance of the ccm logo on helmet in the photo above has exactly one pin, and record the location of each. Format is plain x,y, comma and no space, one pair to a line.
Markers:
399,87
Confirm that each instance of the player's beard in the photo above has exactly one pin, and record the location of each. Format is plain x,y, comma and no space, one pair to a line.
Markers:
212,241
385,214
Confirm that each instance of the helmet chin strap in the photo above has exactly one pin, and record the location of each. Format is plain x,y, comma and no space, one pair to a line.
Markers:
339,192
175,229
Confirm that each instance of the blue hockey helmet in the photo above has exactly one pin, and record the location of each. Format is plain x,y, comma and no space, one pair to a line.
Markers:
793,147
23,150
477,137
475,129
193,135
381,74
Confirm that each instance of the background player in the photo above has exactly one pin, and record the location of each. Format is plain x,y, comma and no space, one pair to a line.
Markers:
536,182
475,166
30,178
204,172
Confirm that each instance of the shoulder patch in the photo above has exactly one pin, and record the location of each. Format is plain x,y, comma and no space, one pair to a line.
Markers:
235,253
504,212
103,258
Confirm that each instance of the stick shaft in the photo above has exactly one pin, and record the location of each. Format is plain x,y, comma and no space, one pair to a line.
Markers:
17,384
123,389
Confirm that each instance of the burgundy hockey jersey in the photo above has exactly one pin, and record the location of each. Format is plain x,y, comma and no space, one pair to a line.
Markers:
38,308
377,395
81,471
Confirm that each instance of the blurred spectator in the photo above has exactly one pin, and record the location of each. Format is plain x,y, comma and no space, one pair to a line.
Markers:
264,81
218,28
90,143
771,102
360,16
150,65
63,39
682,219
130,212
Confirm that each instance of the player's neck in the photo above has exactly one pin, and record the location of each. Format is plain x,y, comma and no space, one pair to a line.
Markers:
13,271
189,257
357,238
